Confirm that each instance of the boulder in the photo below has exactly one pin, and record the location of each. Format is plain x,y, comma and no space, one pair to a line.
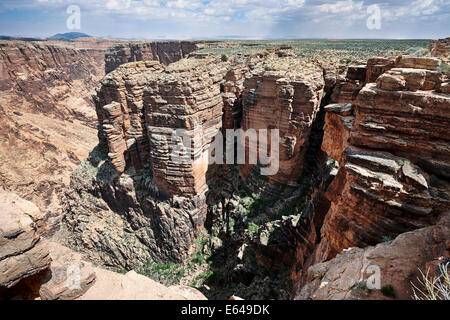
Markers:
22,253
69,277
360,273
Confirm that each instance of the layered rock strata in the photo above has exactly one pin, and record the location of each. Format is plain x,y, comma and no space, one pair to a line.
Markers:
164,52
187,96
392,147
140,108
47,118
396,263
22,253
347,87
440,48
284,95
43,78
130,202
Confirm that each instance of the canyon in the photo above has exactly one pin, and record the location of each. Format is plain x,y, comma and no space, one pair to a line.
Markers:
363,171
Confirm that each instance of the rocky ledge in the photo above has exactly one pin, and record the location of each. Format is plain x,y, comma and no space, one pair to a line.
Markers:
34,268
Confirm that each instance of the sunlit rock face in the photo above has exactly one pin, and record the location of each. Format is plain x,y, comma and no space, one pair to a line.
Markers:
22,253
440,48
395,263
186,99
47,118
392,147
120,114
164,52
281,94
144,109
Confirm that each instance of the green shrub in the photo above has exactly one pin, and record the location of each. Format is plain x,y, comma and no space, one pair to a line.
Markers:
253,228
444,68
404,161
359,288
388,291
224,58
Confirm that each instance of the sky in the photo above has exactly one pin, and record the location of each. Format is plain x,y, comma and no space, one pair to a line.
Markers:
237,19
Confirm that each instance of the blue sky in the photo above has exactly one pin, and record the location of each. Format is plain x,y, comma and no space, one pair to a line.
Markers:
252,19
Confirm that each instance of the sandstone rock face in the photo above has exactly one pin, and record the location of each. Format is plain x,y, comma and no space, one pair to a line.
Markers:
69,277
339,124
409,73
282,95
184,96
406,129
377,66
120,114
428,63
440,48
391,149
397,261
26,67
347,87
187,97
408,79
47,117
140,106
163,52
131,202
395,197
22,254
132,286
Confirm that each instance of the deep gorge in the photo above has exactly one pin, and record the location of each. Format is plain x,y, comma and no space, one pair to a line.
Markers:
364,161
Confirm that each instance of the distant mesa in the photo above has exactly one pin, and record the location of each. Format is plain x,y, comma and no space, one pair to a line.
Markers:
70,36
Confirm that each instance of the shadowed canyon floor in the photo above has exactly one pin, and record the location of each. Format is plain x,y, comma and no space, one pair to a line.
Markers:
362,179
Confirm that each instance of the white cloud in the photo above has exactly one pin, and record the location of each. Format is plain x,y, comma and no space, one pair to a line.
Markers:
118,4
185,4
346,6
247,16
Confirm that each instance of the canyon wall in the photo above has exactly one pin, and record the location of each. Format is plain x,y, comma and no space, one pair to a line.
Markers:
22,253
163,52
363,170
285,95
140,105
398,261
391,144
140,187
440,48
47,117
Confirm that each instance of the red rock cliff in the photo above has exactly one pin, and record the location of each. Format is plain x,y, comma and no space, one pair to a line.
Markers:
163,52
